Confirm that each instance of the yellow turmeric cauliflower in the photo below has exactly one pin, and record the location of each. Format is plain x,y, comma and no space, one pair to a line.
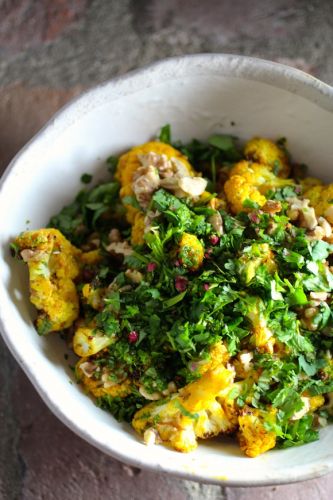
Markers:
267,153
252,257
250,181
92,296
218,355
53,266
253,436
309,182
90,258
191,413
190,252
135,159
88,340
100,381
138,229
262,336
238,190
321,199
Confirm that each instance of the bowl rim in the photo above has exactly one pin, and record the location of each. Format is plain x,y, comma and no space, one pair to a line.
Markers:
248,68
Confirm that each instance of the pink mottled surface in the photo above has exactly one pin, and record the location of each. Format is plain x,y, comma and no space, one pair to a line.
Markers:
50,50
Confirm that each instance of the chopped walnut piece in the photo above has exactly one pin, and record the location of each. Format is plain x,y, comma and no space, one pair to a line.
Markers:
114,235
299,209
317,233
217,223
150,436
88,368
160,171
120,247
193,186
29,255
134,275
322,296
149,217
153,396
145,182
272,207
326,226
160,162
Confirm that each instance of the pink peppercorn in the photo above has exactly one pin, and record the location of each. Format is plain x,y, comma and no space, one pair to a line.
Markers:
151,266
208,252
206,286
177,263
254,217
181,283
132,337
214,239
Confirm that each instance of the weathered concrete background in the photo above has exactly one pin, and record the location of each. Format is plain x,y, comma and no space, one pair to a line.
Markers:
50,50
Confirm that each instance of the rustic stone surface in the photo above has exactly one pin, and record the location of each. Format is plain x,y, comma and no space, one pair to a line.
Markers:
23,111
50,50
26,23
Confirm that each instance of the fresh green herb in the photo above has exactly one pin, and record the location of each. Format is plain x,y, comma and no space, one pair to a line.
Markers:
165,134
86,178
121,408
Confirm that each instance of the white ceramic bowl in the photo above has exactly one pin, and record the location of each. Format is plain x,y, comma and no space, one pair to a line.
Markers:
197,95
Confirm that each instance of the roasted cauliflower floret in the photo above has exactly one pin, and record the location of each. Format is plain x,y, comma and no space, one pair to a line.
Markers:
138,229
316,402
253,437
90,258
254,256
151,154
259,176
262,337
218,355
238,190
250,181
191,413
99,381
146,168
309,182
267,153
190,252
94,297
227,400
321,199
89,340
53,266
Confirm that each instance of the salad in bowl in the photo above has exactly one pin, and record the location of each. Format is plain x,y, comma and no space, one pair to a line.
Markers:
194,287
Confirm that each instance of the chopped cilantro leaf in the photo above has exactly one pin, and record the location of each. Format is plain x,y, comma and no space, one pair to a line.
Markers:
86,178
165,134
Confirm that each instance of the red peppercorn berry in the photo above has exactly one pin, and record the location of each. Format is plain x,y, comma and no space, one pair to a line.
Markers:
254,217
133,337
151,266
208,252
206,286
214,239
181,283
